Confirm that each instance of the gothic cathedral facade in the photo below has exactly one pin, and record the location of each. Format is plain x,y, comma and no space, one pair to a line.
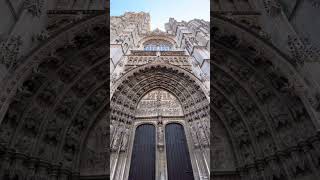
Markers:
159,105
160,85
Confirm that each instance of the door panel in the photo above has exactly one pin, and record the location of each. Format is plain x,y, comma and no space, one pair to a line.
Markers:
178,159
143,154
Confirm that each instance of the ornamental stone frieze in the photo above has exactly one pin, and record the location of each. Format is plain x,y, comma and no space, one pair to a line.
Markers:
136,60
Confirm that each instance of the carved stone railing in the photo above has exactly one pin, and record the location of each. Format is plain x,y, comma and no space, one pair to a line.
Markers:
172,53
141,60
157,53
145,57
143,53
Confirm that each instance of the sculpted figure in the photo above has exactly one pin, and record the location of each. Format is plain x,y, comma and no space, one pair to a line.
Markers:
160,134
125,139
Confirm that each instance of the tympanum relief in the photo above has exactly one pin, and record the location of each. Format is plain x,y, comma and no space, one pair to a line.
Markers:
159,103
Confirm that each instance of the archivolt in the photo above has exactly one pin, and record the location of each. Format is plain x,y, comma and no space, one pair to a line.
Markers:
136,83
256,92
50,100
133,85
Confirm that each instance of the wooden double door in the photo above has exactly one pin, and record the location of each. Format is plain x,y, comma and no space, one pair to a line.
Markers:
143,160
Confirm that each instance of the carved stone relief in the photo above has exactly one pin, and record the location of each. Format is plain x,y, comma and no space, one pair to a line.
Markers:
159,103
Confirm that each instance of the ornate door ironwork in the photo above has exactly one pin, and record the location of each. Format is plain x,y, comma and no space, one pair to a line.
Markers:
178,159
143,154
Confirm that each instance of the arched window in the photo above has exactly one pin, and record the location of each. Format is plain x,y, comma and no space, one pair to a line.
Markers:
157,45
151,47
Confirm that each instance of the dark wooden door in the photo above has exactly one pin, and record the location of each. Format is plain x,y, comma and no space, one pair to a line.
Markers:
178,159
143,154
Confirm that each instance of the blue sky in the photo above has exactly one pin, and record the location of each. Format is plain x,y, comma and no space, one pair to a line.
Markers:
161,10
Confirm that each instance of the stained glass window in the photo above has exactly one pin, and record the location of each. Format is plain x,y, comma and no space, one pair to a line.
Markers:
157,45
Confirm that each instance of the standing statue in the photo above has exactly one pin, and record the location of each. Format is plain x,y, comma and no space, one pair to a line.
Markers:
125,139
160,135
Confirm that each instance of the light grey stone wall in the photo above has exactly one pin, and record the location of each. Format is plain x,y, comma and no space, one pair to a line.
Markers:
190,44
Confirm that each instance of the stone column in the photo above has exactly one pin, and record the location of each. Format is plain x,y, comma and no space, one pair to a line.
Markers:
161,159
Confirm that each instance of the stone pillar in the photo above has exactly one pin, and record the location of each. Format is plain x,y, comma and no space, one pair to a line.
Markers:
161,158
